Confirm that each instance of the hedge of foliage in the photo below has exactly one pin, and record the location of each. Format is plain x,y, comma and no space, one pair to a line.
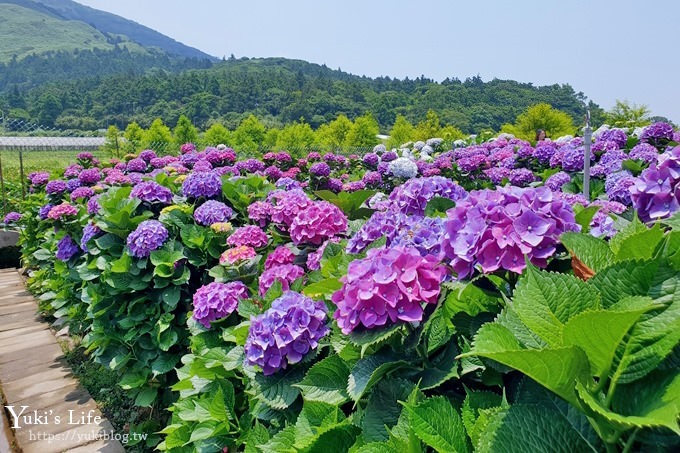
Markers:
408,300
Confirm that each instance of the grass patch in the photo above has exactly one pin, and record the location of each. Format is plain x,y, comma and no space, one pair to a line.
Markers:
115,404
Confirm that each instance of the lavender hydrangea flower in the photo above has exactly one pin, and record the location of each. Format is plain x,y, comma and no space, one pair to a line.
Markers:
494,230
89,232
617,186
55,187
249,235
287,184
412,197
422,233
149,235
286,205
90,177
521,177
320,169
151,192
284,273
202,184
147,155
371,160
388,156
644,152
280,255
389,285
93,206
319,221
73,184
72,171
657,134
259,212
39,178
251,165
381,224
12,217
217,300
656,192
212,211
286,332
556,181
136,165
544,152
618,136
45,210
82,192
66,248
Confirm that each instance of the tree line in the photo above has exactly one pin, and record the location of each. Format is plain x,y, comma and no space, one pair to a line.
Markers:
280,92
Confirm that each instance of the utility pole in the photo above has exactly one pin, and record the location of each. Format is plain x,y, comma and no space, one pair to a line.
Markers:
587,138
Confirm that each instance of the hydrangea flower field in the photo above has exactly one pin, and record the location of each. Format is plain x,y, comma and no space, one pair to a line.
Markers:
454,299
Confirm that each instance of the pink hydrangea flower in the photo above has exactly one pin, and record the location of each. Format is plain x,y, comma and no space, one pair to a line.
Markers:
316,223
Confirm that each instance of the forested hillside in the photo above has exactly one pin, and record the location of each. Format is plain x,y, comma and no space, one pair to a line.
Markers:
280,91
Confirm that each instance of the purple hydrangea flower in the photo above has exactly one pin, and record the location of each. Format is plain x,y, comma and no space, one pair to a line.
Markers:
89,232
411,198
380,224
251,165
284,273
644,152
286,332
556,181
93,206
73,184
55,187
496,229
90,177
389,156
657,134
272,172
334,185
389,285
249,235
82,192
45,210
320,169
152,192
66,248
212,211
72,171
497,174
422,233
149,235
12,217
288,184
544,152
617,186
656,192
522,177
39,178
202,165
217,300
317,222
573,159
617,136
371,160
202,184
260,212
147,155
136,165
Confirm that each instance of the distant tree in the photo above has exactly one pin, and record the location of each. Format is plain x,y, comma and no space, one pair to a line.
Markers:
270,138
402,131
296,136
134,135
450,133
217,134
429,127
158,137
48,109
624,114
541,116
185,132
364,132
112,143
334,134
249,135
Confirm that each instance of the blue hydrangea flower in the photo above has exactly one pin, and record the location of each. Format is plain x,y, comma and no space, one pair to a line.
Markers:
212,211
149,235
66,248
202,184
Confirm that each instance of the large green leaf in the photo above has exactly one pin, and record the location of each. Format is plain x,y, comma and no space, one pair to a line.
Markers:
544,301
640,245
369,370
557,369
466,297
628,278
532,429
277,390
383,408
632,228
326,381
437,423
657,404
591,251
585,331
474,402
374,337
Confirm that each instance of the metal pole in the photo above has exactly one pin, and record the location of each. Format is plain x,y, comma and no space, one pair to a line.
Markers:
587,137
2,188
21,173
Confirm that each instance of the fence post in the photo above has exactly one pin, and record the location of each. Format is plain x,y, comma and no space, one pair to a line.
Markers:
587,137
21,173
2,188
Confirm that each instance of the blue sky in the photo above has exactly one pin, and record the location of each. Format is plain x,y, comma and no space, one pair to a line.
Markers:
609,50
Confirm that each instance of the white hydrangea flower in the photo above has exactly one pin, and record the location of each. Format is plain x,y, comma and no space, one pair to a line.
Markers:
459,143
638,131
506,136
419,145
407,154
379,149
434,142
564,139
597,132
403,167
427,149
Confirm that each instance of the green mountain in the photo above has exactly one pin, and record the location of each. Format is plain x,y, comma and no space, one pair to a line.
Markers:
280,91
30,27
